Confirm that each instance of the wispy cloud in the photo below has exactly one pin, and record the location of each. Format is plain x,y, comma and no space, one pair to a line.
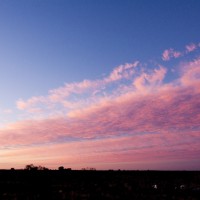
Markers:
64,96
132,117
170,53
147,81
122,72
191,47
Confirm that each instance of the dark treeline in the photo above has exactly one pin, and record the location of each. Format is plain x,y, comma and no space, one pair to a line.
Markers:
42,183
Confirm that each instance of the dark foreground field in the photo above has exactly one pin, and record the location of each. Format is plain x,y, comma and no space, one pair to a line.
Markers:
74,185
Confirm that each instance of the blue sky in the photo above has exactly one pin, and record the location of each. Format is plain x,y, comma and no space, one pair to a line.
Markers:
45,45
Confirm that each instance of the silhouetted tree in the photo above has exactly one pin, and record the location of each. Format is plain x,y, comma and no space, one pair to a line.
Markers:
61,168
42,168
33,167
88,168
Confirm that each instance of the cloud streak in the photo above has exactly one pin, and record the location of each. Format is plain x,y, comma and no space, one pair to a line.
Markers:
170,53
67,95
191,47
135,119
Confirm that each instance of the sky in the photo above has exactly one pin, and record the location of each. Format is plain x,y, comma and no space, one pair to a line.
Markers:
107,84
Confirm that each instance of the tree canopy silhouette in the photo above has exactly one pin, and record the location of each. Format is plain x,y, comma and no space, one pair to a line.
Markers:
33,167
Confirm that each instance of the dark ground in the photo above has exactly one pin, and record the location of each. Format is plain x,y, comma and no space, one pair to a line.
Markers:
95,185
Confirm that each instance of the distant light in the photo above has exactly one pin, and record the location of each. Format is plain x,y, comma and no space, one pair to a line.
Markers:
182,187
155,186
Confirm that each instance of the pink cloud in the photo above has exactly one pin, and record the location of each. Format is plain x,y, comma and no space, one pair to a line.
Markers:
143,128
191,73
123,71
150,80
62,95
190,47
170,53
166,54
22,105
128,128
136,151
125,112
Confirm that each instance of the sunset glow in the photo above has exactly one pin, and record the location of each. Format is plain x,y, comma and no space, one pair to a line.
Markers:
142,113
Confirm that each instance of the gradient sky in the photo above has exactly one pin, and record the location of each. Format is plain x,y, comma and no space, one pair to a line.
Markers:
108,84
